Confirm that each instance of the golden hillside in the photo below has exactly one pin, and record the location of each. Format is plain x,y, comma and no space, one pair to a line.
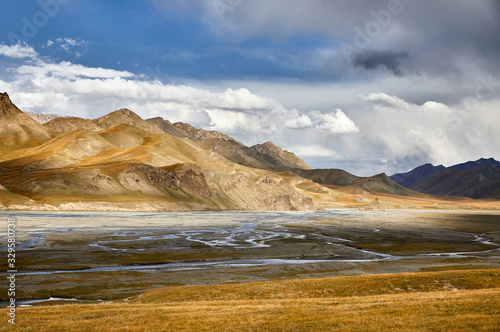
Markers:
122,162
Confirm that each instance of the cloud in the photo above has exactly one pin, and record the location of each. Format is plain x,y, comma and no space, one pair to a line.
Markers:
372,59
336,122
69,44
18,51
314,150
301,122
414,134
65,69
444,46
408,123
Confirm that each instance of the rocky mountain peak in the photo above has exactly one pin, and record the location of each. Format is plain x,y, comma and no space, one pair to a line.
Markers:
6,106
127,112
4,98
276,155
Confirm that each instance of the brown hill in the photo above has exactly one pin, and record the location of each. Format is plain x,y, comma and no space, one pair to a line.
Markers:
196,134
167,127
124,116
265,156
132,186
377,184
275,159
381,183
130,165
18,129
62,151
335,177
275,155
63,125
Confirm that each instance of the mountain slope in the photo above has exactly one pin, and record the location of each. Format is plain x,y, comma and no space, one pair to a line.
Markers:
122,162
335,177
62,151
474,179
18,129
61,125
124,116
380,183
275,155
416,174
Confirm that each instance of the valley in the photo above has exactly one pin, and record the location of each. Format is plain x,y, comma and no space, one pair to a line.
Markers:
64,255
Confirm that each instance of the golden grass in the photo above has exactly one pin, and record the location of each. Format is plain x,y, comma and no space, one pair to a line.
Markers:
430,301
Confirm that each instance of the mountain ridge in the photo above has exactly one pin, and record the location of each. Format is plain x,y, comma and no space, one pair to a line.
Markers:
121,162
473,179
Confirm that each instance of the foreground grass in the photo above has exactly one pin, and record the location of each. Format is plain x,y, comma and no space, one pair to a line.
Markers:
429,301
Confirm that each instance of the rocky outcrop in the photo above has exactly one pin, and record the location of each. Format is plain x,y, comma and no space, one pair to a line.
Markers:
43,118
282,159
18,129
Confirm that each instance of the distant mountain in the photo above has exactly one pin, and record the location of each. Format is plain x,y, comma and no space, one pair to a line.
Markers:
473,179
334,177
416,174
43,118
380,183
487,167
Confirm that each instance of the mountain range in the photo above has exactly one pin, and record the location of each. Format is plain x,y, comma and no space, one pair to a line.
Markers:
473,179
121,162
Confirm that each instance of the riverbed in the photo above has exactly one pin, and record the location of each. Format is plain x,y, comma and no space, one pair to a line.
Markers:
87,256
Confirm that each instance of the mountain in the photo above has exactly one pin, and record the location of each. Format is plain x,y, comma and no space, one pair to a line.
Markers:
61,125
122,162
277,156
43,118
264,156
123,116
335,177
473,179
18,129
380,183
416,174
488,167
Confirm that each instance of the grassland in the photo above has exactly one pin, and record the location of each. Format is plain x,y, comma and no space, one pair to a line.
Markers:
426,301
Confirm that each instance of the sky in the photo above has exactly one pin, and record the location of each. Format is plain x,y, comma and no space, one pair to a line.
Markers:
365,86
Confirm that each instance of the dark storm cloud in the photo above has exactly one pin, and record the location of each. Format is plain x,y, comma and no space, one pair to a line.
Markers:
449,39
372,59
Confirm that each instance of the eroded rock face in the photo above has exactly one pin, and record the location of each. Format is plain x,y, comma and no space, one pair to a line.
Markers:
193,178
148,180
265,194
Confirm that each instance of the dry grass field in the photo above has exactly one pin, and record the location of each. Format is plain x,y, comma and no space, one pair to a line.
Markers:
426,301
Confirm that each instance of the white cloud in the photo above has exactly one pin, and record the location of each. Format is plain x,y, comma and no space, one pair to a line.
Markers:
68,44
43,70
18,51
397,133
301,122
335,123
432,132
314,150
